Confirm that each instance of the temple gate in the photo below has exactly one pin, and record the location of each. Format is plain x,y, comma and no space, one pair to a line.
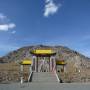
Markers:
43,60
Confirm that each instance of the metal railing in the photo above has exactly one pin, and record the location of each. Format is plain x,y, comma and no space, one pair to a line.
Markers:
30,75
57,76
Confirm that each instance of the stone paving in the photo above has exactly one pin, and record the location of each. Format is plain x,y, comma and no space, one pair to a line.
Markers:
45,86
42,77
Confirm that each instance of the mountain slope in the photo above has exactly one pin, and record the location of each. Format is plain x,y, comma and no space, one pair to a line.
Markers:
77,67
61,53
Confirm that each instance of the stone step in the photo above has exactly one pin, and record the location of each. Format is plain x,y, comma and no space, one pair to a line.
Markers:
44,77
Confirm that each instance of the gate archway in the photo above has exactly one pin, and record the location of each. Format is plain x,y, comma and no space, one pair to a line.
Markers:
43,60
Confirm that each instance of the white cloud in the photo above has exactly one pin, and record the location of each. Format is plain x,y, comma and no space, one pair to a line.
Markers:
13,32
2,16
6,27
51,8
11,25
47,1
5,24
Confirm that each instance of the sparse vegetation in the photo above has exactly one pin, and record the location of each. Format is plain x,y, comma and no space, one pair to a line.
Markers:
77,68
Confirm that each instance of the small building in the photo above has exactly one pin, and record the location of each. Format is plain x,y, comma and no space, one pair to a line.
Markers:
60,65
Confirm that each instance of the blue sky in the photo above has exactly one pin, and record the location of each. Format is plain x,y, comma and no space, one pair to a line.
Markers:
49,22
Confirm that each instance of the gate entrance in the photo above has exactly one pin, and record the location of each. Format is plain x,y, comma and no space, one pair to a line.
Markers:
43,65
43,60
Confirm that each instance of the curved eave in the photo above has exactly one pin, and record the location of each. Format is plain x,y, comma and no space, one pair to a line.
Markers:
60,63
26,62
43,54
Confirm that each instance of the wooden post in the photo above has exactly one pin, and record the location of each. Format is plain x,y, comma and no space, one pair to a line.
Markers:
54,64
21,74
34,63
37,64
51,63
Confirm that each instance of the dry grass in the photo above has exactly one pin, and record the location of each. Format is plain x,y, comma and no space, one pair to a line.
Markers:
72,75
10,72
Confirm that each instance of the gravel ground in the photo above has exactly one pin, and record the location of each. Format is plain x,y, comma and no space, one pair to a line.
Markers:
45,86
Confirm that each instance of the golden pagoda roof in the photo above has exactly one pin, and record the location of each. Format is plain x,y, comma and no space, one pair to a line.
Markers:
61,62
43,51
26,62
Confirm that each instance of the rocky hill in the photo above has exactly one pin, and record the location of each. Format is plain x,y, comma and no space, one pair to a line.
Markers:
62,53
76,62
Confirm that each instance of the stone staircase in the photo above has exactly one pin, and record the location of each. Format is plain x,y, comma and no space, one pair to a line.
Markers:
44,77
